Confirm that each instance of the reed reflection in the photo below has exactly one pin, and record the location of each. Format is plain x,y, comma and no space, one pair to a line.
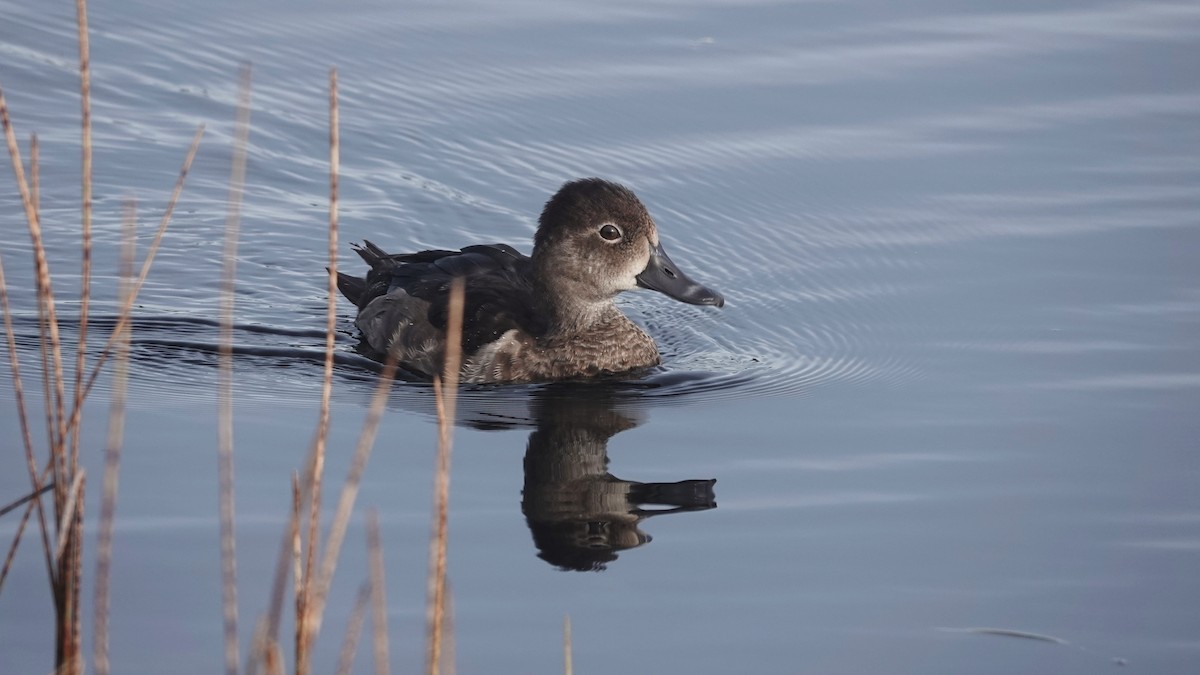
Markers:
580,515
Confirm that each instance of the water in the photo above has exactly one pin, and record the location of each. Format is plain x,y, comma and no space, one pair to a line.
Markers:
954,386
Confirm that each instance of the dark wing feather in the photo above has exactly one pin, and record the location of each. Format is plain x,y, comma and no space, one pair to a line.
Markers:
499,290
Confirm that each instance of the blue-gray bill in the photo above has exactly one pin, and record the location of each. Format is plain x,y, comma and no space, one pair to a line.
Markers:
662,275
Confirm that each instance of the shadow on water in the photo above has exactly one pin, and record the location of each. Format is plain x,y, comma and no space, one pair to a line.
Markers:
580,515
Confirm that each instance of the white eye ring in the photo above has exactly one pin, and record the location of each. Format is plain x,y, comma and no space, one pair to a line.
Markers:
610,232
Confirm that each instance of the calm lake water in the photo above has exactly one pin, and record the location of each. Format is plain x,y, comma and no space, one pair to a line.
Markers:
955,385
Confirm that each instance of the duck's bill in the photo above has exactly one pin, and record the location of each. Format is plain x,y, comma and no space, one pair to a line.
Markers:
663,276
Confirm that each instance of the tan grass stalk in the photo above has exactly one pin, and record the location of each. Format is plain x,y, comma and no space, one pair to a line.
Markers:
43,322
68,521
70,643
378,595
68,562
16,541
16,504
297,505
362,452
265,650
12,549
35,196
349,493
258,643
307,625
35,189
353,630
237,182
26,438
568,667
274,665
323,578
290,551
112,458
127,308
445,397
45,300
274,658
85,105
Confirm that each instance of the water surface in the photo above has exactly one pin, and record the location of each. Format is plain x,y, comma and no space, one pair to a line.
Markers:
953,387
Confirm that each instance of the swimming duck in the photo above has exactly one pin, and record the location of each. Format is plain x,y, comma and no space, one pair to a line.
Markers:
549,316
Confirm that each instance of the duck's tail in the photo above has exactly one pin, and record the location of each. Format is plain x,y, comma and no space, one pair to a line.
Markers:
355,288
372,254
352,287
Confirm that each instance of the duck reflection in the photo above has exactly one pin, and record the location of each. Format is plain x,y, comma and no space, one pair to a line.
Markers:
579,514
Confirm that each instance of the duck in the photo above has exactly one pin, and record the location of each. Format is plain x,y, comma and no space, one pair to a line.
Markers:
548,316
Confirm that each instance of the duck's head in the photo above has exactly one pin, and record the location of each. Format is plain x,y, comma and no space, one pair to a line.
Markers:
596,239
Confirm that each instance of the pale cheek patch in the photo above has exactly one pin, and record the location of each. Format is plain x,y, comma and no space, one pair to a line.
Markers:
629,282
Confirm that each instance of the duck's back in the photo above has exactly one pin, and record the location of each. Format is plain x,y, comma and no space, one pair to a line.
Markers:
403,301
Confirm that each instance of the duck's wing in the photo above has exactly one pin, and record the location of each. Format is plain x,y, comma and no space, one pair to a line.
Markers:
499,294
384,267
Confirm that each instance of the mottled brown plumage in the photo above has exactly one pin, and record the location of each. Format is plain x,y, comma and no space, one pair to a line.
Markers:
549,316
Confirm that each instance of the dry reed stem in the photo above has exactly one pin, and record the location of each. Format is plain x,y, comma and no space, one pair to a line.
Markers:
264,649
297,505
43,335
237,181
300,578
274,663
26,437
568,667
112,457
365,442
445,397
297,551
331,308
304,629
127,308
379,621
71,569
353,630
337,529
45,294
307,626
43,326
74,650
274,658
16,504
47,375
35,195
12,550
258,643
349,493
290,551
44,354
29,499
85,116
16,542
68,521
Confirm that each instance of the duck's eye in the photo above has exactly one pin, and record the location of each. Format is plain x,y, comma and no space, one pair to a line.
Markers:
610,232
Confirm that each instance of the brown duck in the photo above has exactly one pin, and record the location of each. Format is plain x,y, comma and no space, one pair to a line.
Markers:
549,316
